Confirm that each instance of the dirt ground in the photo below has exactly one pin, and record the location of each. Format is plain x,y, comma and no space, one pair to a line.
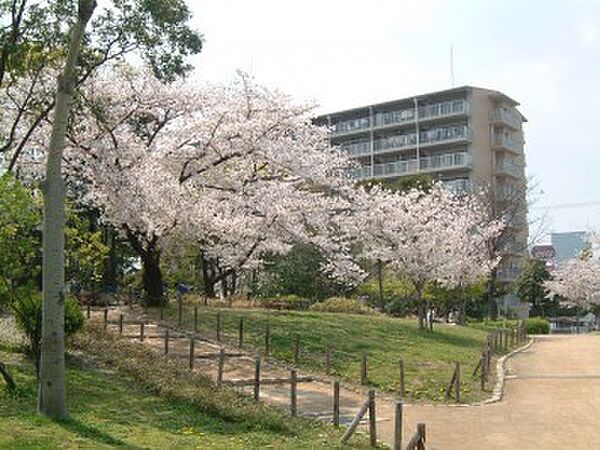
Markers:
551,396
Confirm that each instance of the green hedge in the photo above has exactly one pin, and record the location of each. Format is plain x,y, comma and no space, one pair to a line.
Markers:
537,325
287,302
342,305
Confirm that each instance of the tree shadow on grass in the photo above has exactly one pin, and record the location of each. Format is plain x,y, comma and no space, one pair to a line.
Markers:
97,436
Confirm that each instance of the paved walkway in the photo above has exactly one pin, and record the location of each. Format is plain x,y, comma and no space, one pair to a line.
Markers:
551,397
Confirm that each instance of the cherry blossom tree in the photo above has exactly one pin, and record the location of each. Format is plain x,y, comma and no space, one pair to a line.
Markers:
426,236
240,168
578,281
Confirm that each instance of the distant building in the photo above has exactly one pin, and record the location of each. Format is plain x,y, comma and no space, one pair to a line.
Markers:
570,245
464,137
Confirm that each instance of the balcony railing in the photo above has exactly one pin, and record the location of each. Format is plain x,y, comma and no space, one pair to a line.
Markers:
407,115
427,137
437,110
361,148
349,126
458,185
509,142
508,117
410,166
509,168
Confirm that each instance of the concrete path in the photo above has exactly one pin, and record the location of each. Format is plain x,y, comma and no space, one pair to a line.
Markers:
551,397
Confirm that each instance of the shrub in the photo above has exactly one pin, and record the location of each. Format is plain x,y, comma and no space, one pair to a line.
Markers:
342,305
537,326
28,315
400,307
287,302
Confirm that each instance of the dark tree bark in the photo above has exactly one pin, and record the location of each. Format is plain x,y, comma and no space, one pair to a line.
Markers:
380,281
8,379
491,295
152,280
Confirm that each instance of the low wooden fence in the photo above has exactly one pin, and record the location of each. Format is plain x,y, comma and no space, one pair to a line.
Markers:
498,341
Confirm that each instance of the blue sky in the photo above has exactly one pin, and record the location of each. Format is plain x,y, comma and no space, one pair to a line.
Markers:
545,54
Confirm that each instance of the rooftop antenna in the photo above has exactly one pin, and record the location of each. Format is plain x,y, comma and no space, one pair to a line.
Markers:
452,64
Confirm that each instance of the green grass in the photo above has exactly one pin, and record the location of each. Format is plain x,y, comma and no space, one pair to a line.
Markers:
110,409
428,357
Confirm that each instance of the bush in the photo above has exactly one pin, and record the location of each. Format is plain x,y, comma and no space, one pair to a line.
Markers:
342,305
28,315
537,326
400,307
287,302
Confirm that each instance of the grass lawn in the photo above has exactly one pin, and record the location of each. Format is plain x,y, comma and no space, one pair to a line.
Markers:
109,409
428,357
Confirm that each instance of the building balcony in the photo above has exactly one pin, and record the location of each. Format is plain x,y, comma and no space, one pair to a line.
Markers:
390,119
507,142
360,124
440,110
429,138
506,117
509,168
458,160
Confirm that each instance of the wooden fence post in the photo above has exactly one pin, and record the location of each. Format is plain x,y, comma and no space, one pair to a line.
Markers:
89,311
457,382
179,310
105,318
296,349
352,427
257,378
241,333
363,369
195,318
372,419
219,326
192,353
401,390
293,393
452,384
422,436
166,341
336,403
221,367
141,331
267,339
483,371
398,426
120,324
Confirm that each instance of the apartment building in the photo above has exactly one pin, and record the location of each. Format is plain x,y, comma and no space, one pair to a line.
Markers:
464,137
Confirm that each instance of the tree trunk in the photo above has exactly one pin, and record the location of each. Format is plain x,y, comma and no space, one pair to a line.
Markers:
380,280
491,296
462,306
152,280
419,290
208,278
52,385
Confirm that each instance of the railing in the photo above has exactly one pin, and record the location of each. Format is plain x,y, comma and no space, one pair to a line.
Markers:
410,166
458,185
360,148
428,137
509,142
349,126
509,168
406,115
502,115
